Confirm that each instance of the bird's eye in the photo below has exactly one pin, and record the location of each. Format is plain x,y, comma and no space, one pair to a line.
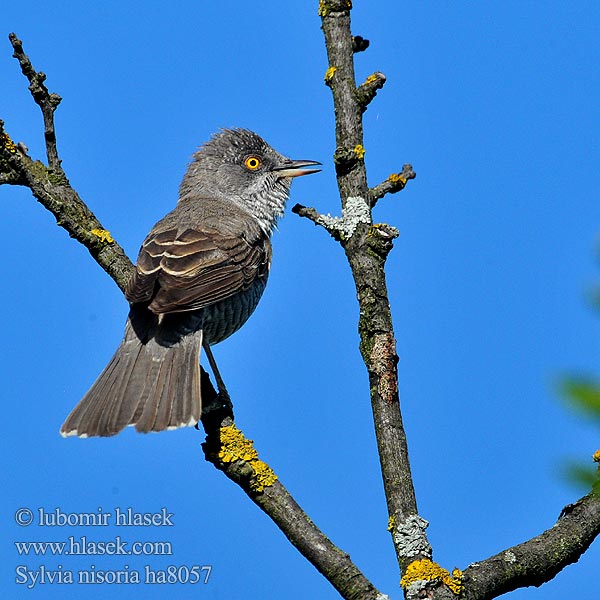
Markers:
252,163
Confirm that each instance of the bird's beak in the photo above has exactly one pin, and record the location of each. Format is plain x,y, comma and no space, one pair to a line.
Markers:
295,168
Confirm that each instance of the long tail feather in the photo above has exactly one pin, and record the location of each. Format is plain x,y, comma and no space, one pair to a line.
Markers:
152,381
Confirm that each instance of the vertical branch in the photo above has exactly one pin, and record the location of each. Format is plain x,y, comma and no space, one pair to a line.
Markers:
367,247
349,153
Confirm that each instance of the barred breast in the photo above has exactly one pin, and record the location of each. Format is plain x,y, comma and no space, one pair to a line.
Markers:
224,318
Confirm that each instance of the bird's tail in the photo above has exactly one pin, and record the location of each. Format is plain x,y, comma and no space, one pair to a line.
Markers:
152,381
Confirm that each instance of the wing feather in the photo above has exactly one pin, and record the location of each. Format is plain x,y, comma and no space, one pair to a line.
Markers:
188,268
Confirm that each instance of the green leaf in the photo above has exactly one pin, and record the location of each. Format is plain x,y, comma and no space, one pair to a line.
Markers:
582,475
583,394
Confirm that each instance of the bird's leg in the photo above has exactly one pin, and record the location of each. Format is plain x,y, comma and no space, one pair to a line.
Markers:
223,393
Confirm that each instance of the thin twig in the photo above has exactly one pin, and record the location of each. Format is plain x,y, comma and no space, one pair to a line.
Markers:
394,183
47,102
368,90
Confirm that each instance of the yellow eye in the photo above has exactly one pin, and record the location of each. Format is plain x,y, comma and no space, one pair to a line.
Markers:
252,163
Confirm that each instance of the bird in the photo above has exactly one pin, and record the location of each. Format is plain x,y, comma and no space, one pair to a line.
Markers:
199,276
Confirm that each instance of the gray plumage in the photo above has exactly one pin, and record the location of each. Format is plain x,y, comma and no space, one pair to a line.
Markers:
199,276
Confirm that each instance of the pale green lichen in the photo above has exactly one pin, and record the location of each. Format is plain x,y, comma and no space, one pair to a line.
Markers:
355,211
409,534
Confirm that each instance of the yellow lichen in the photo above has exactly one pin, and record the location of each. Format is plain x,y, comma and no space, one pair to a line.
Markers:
427,570
8,143
375,227
103,235
391,523
596,456
235,446
329,74
324,9
359,151
264,476
397,178
371,78
455,582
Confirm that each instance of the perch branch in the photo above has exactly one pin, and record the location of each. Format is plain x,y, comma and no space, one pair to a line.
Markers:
229,451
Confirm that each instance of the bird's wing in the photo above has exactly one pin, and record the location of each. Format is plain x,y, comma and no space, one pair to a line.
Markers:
181,269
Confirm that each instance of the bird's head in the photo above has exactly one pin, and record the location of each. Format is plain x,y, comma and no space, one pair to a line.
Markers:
240,166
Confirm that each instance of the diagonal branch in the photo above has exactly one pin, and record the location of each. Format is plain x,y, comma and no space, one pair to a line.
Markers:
540,559
393,184
367,90
229,451
56,194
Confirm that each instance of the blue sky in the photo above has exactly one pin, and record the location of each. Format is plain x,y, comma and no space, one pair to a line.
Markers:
495,105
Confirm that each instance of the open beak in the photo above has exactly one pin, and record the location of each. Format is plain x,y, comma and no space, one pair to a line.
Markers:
295,168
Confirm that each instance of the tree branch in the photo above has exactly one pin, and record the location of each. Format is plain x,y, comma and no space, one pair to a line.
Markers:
540,559
54,192
368,90
47,102
367,247
394,183
229,451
